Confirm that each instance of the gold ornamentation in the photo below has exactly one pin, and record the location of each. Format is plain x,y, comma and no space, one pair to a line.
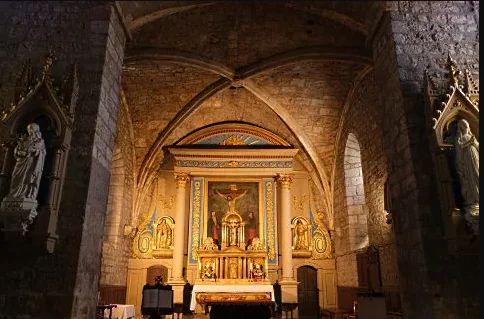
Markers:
256,244
167,202
181,180
143,244
298,202
270,222
164,229
209,269
196,220
285,180
321,240
208,244
233,140
301,233
233,164
249,132
205,297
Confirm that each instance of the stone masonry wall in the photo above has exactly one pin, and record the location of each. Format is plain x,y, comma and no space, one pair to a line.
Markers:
65,284
412,36
116,245
362,125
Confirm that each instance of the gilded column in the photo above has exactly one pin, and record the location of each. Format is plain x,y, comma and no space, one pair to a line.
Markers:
180,221
286,238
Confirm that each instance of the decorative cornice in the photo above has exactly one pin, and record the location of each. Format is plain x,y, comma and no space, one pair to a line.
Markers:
233,164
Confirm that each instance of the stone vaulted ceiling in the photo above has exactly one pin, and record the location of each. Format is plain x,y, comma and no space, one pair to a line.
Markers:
287,66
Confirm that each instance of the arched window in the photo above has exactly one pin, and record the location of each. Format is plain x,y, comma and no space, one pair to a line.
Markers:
355,195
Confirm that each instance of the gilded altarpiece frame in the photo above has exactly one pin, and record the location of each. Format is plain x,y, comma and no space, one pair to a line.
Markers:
255,195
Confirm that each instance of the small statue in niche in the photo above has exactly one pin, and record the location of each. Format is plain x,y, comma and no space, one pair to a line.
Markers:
29,162
467,165
208,271
163,234
300,236
257,272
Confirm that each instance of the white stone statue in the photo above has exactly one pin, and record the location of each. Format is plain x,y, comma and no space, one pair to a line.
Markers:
467,165
29,162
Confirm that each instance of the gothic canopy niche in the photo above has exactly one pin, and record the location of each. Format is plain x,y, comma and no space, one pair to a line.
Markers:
236,148
453,119
49,107
459,101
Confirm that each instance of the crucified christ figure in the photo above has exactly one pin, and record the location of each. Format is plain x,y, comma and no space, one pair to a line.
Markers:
231,195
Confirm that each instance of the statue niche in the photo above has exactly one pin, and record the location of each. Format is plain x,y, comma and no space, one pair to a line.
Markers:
36,130
301,237
163,231
452,113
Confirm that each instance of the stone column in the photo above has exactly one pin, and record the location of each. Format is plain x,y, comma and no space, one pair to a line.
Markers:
177,280
288,284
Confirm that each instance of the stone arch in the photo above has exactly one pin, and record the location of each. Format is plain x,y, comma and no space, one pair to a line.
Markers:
355,195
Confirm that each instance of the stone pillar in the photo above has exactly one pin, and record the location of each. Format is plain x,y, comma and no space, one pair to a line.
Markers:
288,284
177,280
99,54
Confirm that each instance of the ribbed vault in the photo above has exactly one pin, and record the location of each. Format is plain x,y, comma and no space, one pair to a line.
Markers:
192,64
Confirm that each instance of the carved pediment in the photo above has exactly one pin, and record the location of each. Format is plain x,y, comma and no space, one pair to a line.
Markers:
457,99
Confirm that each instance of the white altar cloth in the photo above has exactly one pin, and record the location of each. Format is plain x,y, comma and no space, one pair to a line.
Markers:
121,312
228,288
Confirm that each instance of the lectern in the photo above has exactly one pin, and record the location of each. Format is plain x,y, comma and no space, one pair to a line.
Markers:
157,300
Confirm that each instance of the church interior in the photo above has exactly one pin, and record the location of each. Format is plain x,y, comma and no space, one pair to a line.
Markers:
320,158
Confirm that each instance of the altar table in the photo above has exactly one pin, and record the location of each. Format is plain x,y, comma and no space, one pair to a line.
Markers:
229,288
121,312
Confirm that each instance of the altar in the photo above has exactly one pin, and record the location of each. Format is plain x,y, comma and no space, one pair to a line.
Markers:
228,293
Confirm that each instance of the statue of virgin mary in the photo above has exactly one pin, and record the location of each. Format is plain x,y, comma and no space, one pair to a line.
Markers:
467,165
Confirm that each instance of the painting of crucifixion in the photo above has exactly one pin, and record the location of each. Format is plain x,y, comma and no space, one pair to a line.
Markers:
226,198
